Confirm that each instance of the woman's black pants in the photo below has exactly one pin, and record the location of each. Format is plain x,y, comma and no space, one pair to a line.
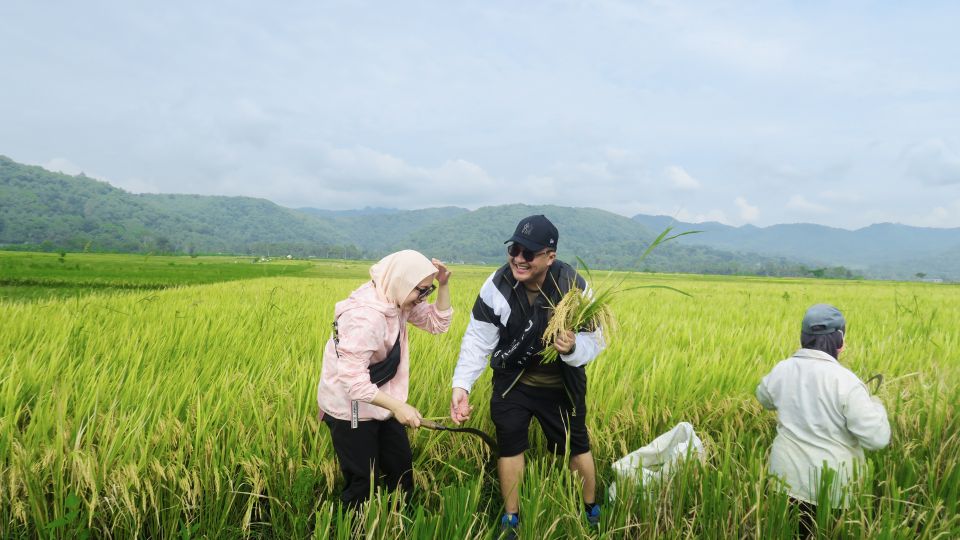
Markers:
377,450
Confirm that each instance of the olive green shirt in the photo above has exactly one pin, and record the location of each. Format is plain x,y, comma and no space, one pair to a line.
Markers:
541,375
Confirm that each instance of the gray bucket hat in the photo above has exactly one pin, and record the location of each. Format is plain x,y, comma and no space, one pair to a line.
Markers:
823,319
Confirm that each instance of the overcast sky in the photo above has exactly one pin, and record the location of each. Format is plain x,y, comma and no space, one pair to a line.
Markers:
843,114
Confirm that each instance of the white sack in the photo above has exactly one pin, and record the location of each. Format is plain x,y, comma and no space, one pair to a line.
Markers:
656,461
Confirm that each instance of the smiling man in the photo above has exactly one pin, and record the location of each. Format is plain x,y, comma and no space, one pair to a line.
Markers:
507,324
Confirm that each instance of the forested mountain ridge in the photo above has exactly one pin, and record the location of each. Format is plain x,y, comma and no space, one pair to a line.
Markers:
43,210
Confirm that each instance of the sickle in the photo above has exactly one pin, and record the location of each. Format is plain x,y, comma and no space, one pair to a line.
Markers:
492,444
879,378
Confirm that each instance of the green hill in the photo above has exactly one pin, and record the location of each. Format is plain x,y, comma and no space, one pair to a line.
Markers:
42,209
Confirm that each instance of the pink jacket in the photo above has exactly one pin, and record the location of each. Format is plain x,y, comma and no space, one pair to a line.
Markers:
368,328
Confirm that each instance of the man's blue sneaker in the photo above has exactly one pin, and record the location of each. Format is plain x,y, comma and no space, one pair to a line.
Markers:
592,512
509,524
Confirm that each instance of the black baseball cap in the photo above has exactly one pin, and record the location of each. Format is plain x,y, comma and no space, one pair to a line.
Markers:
823,319
535,233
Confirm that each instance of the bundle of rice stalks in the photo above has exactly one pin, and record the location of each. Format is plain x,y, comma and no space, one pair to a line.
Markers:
584,311
581,312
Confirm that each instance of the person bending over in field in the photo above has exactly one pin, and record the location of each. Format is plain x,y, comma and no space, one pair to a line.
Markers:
507,325
826,417
366,370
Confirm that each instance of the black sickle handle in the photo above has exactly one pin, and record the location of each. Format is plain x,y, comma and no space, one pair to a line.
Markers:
879,378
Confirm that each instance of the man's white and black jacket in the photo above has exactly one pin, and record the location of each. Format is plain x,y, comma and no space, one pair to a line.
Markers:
507,329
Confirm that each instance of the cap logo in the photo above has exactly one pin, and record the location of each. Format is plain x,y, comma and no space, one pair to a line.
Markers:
551,240
527,229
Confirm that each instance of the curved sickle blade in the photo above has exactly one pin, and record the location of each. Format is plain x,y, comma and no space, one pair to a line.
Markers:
879,378
491,443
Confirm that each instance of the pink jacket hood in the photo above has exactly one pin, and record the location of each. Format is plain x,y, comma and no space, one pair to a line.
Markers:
367,296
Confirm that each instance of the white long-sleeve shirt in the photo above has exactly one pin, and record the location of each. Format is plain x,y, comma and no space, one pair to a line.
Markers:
826,416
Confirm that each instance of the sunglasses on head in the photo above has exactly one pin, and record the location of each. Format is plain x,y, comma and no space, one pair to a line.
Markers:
516,249
424,292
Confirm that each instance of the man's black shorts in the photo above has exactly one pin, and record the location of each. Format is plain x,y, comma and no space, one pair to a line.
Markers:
511,416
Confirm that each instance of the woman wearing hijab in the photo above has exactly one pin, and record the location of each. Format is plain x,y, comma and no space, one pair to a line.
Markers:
366,370
826,417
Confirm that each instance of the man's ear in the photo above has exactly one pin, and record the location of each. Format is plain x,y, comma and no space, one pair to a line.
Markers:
552,256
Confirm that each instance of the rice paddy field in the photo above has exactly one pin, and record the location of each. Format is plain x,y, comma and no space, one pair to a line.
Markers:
186,408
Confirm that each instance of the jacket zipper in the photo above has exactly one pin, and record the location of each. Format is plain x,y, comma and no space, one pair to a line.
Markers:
514,383
573,404
503,362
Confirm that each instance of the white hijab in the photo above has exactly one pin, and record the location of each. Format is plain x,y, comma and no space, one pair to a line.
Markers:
397,274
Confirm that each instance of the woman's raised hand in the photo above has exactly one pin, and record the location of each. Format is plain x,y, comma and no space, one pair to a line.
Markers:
443,274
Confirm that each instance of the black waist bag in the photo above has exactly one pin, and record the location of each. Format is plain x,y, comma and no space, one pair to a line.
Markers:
382,372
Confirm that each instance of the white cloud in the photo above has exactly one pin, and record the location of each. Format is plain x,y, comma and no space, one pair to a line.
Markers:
140,185
841,196
681,179
62,165
543,184
368,165
939,216
934,161
65,166
713,215
368,169
594,171
733,47
322,175
799,202
946,215
748,212
617,154
682,214
611,179
700,217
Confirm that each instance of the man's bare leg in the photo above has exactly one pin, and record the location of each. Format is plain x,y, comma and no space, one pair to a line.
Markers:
582,464
510,471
